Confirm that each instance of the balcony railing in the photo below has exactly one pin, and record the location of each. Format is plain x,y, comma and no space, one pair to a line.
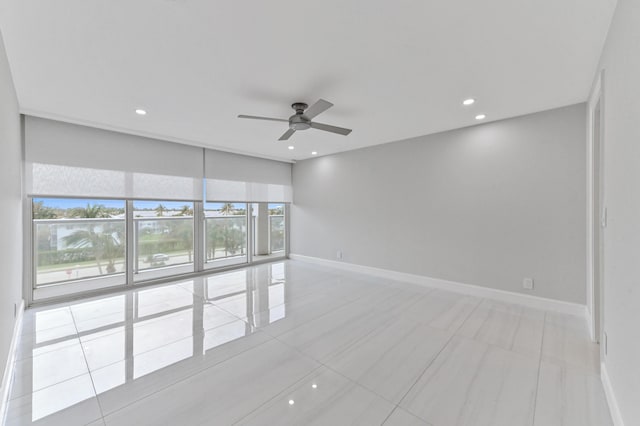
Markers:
276,233
162,242
72,249
76,249
225,237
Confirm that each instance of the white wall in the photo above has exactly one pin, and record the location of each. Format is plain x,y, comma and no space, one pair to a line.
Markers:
11,207
485,205
621,124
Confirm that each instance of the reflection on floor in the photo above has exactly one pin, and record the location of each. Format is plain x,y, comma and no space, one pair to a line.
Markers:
290,343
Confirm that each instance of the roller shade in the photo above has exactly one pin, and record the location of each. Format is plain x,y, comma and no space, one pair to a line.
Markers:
64,159
233,177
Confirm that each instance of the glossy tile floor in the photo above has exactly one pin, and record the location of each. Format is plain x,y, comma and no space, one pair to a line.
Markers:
291,343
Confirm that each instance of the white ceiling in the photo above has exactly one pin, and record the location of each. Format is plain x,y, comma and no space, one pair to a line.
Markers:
393,69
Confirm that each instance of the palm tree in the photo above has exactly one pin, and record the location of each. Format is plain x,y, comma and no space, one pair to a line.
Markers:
91,211
160,210
276,211
212,239
182,232
40,211
227,208
104,245
186,211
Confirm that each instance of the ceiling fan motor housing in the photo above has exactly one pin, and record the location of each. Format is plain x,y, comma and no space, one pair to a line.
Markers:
298,121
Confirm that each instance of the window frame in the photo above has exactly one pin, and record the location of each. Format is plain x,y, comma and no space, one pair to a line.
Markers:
69,289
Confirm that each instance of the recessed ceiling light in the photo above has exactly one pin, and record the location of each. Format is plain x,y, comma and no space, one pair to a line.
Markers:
314,386
291,146
141,111
480,117
291,402
468,102
314,152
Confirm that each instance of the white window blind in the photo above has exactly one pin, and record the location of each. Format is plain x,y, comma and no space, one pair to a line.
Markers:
233,177
64,159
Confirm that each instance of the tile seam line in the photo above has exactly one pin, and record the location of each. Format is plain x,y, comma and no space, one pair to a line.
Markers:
322,364
535,398
396,405
182,379
86,363
453,334
300,380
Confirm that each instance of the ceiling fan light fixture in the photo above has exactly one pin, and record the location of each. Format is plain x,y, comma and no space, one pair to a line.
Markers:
299,122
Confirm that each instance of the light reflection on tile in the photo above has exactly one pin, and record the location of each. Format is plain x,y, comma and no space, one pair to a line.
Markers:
93,309
230,344
334,400
69,402
162,299
55,333
221,394
50,368
226,283
50,319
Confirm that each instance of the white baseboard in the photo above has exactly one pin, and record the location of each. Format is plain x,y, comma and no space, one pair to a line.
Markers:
616,416
8,369
468,289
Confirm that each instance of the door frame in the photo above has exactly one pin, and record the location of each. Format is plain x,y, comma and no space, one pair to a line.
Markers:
594,165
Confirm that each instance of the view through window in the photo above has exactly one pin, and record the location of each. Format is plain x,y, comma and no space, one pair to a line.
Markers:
163,235
225,232
78,240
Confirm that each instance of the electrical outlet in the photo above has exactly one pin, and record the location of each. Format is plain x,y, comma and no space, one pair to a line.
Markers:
339,255
527,283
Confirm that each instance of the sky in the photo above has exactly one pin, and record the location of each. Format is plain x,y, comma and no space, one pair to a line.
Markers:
70,203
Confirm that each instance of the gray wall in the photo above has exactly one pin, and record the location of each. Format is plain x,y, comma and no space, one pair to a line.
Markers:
11,207
485,205
621,63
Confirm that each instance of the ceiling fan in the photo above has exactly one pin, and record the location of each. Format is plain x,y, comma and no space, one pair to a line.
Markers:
301,120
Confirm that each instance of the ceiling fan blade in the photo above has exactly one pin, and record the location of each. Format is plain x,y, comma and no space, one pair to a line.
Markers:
287,135
332,129
317,108
254,117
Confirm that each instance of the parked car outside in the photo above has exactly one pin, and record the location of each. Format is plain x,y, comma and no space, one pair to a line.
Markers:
159,259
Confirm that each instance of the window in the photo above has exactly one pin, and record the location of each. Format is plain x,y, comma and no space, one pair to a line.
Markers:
83,244
276,228
163,238
89,230
76,239
225,233
269,230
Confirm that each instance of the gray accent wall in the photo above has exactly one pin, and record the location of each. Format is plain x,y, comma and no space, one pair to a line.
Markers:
486,205
621,125
11,207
